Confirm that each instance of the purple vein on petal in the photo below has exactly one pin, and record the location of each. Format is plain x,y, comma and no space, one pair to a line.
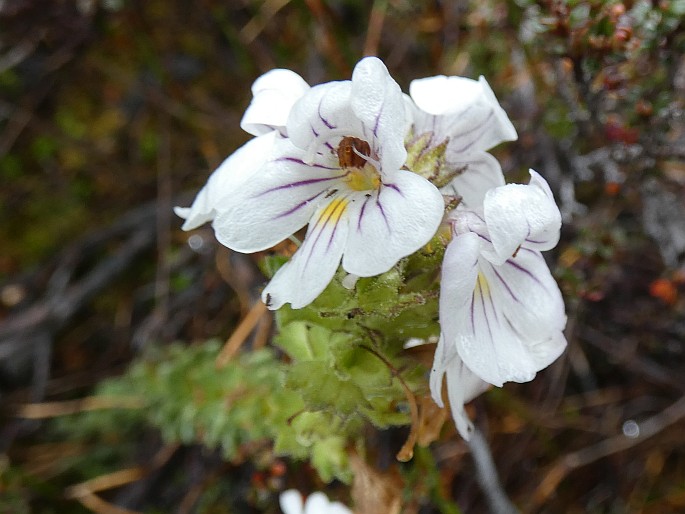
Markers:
492,307
506,286
513,328
478,233
394,187
478,216
298,184
318,227
380,208
482,303
526,272
330,239
482,127
324,120
378,119
298,206
300,161
361,213
455,115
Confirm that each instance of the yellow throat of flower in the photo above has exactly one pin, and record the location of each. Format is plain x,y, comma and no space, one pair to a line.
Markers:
363,179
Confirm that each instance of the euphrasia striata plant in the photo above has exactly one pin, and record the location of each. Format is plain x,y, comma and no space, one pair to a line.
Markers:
411,232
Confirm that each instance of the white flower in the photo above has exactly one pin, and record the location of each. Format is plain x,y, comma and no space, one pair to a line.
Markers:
339,170
501,311
317,503
465,115
274,94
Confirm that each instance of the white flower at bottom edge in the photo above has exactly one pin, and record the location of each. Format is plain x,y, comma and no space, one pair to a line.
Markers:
317,503
501,312
339,170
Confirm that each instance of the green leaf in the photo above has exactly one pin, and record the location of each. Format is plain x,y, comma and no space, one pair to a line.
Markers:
321,388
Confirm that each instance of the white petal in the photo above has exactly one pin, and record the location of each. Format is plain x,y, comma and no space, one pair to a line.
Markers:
509,327
444,354
531,304
502,128
462,384
444,95
274,94
463,110
291,502
459,274
274,203
234,171
317,503
487,346
312,267
391,224
322,117
482,173
522,215
338,508
378,102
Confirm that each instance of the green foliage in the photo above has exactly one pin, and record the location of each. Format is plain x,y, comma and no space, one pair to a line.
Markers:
348,365
193,401
235,408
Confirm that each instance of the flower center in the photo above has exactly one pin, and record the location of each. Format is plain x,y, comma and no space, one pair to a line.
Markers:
354,158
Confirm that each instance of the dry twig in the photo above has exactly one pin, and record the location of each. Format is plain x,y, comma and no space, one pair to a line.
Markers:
240,334
84,492
90,403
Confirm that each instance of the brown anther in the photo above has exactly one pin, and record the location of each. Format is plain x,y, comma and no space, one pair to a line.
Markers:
347,157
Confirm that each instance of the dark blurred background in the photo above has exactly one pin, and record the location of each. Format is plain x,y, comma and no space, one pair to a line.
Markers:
114,111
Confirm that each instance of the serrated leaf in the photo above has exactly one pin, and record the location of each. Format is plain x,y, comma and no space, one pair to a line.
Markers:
322,389
361,367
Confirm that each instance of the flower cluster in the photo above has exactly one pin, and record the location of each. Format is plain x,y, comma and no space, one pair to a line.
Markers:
373,174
